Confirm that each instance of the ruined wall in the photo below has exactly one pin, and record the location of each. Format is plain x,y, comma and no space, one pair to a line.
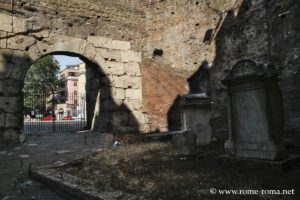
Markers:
176,36
242,35
162,89
266,32
82,18
184,33
33,29
284,45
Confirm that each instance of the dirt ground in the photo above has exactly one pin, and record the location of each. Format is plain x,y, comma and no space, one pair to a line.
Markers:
38,151
156,171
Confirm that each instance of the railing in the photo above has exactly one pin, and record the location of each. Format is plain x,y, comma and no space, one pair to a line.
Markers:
49,113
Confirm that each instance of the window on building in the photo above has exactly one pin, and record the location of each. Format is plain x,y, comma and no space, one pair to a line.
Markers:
75,83
75,102
75,93
71,74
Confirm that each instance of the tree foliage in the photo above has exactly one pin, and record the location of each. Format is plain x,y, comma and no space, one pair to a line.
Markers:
42,75
41,80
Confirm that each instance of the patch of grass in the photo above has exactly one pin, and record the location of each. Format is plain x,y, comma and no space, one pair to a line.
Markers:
155,171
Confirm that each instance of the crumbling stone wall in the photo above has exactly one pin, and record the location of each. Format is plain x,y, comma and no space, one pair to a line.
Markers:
284,27
178,36
29,35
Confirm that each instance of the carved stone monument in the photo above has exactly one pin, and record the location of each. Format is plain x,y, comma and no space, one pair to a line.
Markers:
256,116
196,114
196,129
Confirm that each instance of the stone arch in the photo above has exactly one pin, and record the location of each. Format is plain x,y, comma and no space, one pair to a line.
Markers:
97,91
117,63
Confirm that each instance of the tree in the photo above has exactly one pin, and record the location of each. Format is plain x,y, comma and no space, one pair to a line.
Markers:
41,80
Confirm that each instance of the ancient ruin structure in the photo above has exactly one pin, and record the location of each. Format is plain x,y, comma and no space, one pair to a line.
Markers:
256,115
196,115
143,52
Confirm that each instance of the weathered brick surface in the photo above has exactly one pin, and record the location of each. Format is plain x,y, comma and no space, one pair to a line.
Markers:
161,88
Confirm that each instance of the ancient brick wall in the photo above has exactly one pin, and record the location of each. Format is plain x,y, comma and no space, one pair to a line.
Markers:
162,90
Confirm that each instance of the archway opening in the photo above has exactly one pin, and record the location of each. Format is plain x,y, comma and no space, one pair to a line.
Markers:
62,94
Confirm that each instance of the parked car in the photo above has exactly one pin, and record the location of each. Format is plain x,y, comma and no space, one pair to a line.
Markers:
48,118
67,118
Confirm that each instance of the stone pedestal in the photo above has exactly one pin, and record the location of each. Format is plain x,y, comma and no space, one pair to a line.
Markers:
196,130
185,142
196,114
256,117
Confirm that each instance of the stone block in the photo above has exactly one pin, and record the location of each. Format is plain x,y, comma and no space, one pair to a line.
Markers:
20,42
115,68
133,69
19,25
131,56
133,104
185,142
6,23
134,82
118,94
196,115
120,45
21,63
119,82
6,55
11,104
11,136
90,52
5,70
133,94
41,34
3,66
66,43
12,87
109,54
120,118
2,120
99,41
13,121
101,63
4,40
108,80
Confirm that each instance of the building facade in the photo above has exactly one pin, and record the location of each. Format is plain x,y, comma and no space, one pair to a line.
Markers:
71,94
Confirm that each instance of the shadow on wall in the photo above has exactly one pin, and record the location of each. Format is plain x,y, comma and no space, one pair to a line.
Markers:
104,115
199,82
12,74
243,34
174,115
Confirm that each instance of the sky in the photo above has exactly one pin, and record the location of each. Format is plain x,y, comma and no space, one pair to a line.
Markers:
67,60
